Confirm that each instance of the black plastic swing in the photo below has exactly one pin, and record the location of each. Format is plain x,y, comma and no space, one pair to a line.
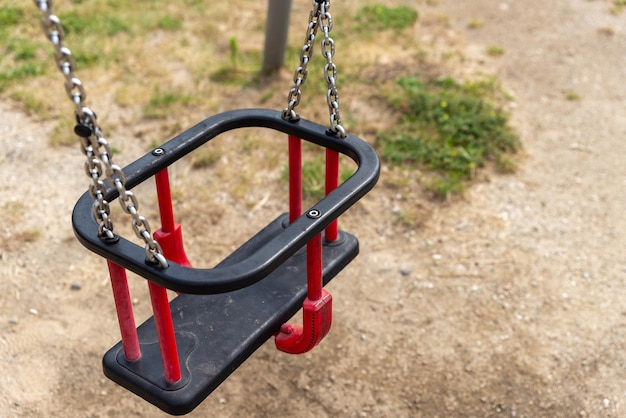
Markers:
227,312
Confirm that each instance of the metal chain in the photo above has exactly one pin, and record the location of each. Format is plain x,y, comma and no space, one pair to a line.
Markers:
95,147
319,17
295,94
330,70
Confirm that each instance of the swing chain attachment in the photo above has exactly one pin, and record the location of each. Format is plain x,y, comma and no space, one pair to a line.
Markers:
96,148
319,17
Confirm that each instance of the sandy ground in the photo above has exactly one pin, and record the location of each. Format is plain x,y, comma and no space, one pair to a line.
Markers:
509,302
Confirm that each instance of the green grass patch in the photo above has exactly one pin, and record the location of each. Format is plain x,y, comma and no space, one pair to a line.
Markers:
31,102
475,24
381,17
77,23
618,6
21,49
20,73
63,134
10,16
495,51
450,129
162,102
243,68
572,95
169,23
88,33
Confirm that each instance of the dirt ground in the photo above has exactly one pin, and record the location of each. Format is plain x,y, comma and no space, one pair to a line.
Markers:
508,302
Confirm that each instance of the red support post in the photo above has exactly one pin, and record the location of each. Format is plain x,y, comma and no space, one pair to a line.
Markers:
332,182
295,178
170,238
314,268
317,307
170,235
164,196
165,332
124,308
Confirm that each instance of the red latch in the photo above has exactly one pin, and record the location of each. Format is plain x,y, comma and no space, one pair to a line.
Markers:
317,319
317,308
172,244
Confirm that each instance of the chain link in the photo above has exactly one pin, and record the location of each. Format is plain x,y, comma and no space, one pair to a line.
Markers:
95,147
300,75
319,17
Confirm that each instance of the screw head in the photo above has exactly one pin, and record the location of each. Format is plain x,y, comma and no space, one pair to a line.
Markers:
314,214
158,152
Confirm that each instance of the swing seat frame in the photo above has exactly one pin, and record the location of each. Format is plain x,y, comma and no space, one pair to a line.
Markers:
269,255
227,312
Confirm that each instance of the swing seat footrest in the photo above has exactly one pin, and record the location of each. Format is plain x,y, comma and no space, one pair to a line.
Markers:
215,334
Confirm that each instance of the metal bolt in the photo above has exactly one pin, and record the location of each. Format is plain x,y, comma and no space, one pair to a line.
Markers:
158,152
314,214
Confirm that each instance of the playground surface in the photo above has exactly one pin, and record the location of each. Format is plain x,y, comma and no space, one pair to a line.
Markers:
509,301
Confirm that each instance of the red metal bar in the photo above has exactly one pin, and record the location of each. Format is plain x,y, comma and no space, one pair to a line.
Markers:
332,181
124,308
317,307
170,235
314,268
295,178
164,195
165,332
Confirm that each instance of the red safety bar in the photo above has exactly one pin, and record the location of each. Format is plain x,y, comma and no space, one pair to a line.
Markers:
169,237
124,308
165,332
317,307
332,181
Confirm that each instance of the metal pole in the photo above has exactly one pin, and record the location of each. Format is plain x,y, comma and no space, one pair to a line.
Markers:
276,30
